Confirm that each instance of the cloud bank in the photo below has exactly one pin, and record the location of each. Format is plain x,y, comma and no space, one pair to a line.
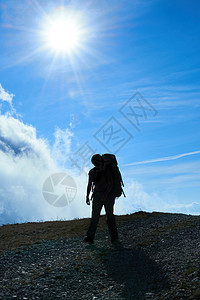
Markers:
26,161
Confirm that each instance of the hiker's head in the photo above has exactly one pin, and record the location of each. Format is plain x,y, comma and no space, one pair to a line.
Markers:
96,160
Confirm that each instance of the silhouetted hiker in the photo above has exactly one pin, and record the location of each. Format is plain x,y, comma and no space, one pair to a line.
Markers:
105,183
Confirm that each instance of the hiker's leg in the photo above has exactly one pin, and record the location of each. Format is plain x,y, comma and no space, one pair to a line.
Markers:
96,210
109,205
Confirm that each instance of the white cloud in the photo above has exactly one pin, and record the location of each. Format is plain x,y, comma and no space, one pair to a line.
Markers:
62,145
189,208
26,162
5,96
138,199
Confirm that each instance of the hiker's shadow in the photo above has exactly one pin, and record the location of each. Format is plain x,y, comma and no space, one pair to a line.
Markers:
138,273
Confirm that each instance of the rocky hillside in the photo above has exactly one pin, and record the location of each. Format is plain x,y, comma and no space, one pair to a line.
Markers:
159,258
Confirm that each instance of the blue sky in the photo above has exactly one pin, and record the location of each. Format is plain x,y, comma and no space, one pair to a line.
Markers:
131,53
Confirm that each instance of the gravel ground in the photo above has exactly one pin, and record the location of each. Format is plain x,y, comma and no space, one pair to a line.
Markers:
159,258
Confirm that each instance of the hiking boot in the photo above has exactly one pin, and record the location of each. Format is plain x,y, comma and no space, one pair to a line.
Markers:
88,240
117,244
113,240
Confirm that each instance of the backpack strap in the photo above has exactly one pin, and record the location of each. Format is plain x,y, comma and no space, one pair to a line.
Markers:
122,182
122,188
123,193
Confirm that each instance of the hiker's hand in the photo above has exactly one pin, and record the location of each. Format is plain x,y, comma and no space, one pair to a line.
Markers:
87,200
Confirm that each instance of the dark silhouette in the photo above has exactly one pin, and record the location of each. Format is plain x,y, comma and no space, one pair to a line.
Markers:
101,181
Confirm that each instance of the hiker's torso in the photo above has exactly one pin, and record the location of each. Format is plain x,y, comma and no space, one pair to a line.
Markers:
100,178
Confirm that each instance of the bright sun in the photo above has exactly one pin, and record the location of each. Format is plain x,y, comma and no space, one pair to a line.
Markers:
63,34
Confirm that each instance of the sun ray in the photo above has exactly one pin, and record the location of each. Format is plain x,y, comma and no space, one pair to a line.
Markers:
26,58
49,72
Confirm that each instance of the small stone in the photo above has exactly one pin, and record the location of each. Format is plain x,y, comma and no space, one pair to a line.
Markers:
149,294
196,279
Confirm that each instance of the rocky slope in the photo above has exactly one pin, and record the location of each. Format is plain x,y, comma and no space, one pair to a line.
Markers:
159,258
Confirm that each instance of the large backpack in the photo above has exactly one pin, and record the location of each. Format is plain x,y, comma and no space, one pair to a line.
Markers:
111,163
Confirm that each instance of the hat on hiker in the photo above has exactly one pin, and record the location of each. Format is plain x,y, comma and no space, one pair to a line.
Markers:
96,159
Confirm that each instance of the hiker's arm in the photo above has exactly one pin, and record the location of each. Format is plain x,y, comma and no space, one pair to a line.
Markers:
88,190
